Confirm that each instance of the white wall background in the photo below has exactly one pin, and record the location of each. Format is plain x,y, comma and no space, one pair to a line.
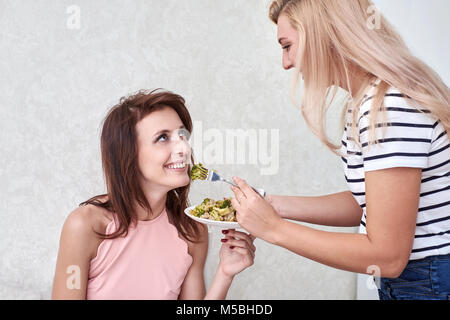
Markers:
56,85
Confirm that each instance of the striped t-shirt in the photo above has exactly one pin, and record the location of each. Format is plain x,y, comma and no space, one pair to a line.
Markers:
412,139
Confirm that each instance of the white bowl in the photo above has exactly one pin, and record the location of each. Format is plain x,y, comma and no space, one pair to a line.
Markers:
214,223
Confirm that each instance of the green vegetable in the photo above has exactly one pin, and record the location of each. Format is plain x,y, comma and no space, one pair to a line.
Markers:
198,172
207,201
226,204
221,210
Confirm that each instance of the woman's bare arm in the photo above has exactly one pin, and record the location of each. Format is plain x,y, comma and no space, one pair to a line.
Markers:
337,210
77,246
193,287
392,198
236,254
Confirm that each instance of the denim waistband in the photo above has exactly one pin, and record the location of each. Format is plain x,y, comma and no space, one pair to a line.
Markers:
426,278
430,258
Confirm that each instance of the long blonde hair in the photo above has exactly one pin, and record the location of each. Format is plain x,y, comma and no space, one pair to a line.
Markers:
334,35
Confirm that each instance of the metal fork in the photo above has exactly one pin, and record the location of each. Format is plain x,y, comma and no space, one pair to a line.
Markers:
214,176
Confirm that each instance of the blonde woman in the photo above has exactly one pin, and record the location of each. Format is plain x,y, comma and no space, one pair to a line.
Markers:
395,152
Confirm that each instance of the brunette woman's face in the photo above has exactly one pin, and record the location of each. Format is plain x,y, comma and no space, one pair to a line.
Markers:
288,39
163,150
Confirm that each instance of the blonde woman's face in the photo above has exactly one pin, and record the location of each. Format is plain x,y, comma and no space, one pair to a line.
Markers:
288,39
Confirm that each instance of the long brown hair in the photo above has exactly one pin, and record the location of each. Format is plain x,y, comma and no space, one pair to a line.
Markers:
119,152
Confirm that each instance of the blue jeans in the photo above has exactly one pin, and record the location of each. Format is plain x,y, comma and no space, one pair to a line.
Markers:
425,279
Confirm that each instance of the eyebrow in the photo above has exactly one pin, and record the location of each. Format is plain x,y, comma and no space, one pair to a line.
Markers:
281,39
166,131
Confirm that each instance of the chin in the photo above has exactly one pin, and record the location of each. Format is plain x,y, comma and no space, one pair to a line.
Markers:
180,182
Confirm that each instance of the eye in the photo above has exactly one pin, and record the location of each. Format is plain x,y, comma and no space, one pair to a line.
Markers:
287,47
162,138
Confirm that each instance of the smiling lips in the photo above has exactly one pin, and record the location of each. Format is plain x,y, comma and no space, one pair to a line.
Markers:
180,166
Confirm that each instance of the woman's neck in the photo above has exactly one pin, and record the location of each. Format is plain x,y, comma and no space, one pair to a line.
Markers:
157,202
357,77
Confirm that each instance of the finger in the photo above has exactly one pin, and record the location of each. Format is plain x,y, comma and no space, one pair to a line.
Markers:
238,250
235,243
239,243
244,252
237,233
249,245
245,188
236,205
227,231
238,194
242,236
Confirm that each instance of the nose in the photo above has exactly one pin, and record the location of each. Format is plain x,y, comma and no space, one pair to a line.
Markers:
181,148
178,147
287,63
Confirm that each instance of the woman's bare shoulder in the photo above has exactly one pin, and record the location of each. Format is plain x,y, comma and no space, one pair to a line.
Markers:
83,225
88,217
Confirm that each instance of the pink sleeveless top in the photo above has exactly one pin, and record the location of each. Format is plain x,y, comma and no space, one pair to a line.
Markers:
151,262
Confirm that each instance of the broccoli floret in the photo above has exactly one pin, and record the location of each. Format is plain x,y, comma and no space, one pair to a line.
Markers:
222,212
198,211
198,172
226,203
207,201
219,204
214,215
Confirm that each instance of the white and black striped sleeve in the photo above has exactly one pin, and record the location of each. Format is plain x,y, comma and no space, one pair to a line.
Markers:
407,137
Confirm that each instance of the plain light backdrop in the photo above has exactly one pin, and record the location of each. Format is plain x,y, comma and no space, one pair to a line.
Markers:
57,83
